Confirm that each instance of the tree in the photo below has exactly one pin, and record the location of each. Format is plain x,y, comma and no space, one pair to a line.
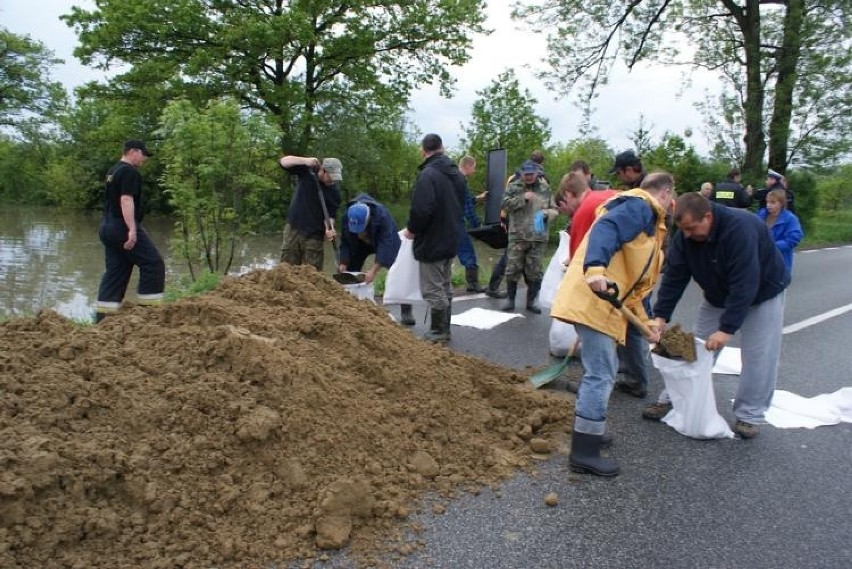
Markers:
765,50
503,116
217,163
292,60
26,91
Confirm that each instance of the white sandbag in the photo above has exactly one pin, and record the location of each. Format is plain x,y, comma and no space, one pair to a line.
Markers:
362,291
402,285
555,271
690,388
562,337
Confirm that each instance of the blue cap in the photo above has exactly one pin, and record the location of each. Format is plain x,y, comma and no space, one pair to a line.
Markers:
529,167
359,215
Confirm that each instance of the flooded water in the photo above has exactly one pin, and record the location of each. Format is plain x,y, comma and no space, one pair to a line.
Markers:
53,259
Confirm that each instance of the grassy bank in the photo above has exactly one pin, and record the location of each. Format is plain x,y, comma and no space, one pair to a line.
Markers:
829,228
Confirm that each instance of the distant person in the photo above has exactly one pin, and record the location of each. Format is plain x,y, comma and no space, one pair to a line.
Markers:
369,229
529,206
433,225
126,243
498,271
306,230
731,192
706,190
622,249
783,224
628,169
582,167
467,254
733,258
536,157
774,181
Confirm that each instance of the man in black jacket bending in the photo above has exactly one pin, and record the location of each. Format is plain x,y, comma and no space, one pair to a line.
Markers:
435,210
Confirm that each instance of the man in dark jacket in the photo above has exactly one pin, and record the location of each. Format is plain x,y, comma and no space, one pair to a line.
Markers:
733,258
369,229
730,192
432,223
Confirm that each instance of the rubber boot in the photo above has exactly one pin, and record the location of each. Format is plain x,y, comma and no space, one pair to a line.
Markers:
406,316
493,289
439,331
586,456
99,316
532,295
472,277
511,291
448,320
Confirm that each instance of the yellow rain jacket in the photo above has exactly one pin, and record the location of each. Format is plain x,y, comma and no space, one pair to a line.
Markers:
576,303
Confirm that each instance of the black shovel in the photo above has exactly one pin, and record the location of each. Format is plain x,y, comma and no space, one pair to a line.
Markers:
342,278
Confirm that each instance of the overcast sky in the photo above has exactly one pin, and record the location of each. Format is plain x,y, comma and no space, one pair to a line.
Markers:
654,92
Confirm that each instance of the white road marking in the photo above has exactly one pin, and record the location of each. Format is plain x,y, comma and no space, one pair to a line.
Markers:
816,319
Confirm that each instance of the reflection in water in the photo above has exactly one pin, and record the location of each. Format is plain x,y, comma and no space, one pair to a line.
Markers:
53,259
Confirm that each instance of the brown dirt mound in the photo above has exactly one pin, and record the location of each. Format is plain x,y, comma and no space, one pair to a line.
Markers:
253,425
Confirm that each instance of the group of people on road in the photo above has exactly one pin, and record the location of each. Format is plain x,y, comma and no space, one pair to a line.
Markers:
621,247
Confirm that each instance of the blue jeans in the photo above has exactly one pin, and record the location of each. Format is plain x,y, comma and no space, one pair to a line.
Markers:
600,365
466,253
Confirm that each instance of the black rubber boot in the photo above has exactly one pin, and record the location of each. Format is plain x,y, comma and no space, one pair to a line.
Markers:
586,456
472,277
511,291
406,316
532,295
99,316
439,331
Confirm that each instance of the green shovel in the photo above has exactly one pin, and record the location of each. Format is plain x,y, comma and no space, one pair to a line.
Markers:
550,373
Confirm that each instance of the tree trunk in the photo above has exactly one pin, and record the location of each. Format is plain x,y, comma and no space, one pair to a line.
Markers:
755,143
787,60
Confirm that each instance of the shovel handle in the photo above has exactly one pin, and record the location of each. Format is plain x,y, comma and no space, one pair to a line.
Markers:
611,296
328,225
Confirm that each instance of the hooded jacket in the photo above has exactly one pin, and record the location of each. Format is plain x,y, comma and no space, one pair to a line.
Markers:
787,233
625,245
436,208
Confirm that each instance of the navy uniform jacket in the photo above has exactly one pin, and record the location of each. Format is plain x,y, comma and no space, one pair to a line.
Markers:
737,267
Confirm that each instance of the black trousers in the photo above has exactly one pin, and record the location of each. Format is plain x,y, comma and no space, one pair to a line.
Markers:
120,263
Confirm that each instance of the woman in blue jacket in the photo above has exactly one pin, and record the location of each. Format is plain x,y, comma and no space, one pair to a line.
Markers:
783,224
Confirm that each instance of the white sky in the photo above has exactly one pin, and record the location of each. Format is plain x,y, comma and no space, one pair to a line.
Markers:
651,91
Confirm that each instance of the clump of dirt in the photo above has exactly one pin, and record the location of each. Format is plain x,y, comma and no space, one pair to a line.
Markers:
676,343
250,426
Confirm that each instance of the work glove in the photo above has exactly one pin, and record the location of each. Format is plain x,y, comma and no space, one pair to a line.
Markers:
540,222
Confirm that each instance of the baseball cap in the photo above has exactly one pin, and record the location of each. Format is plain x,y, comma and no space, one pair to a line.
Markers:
334,168
623,160
359,215
529,167
137,144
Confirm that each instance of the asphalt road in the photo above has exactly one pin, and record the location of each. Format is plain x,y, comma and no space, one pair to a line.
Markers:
783,499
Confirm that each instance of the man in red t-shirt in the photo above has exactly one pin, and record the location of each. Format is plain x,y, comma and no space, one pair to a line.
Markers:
577,201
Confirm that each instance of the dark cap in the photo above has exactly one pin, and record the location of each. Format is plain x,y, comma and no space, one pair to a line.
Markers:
530,167
625,159
137,144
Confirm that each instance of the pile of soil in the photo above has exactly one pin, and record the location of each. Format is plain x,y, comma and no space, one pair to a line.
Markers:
252,426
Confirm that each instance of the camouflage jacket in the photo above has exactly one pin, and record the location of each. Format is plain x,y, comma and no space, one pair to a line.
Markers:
521,212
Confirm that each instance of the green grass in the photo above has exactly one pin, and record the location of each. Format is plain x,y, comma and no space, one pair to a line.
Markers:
829,228
185,286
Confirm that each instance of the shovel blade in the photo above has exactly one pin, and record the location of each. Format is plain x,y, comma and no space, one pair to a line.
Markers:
548,374
348,278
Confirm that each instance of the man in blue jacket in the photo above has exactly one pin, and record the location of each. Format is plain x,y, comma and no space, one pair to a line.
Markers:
369,229
731,255
433,218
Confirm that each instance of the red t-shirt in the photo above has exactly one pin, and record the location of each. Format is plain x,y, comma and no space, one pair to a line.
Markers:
584,217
